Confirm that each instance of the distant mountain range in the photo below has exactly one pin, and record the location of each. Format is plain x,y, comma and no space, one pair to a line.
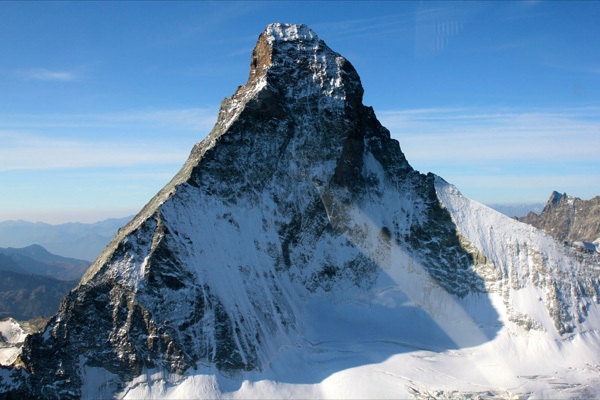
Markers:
517,209
73,239
33,281
36,260
24,297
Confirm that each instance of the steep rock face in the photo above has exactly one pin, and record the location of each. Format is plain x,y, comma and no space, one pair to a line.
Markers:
568,219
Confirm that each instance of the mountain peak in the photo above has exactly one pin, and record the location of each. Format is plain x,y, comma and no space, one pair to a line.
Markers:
293,62
555,197
568,218
289,32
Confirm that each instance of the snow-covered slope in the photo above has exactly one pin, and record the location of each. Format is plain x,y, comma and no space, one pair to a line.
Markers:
298,254
545,284
12,336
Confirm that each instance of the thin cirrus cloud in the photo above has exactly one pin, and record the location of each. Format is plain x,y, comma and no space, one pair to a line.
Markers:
33,152
472,136
188,119
497,156
366,27
43,74
148,137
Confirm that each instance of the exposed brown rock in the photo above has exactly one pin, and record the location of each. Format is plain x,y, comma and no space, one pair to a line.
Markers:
568,219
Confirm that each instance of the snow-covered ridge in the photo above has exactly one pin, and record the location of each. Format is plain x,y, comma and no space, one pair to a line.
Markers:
289,32
530,268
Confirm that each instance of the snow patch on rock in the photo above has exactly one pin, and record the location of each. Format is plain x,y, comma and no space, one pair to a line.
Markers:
12,336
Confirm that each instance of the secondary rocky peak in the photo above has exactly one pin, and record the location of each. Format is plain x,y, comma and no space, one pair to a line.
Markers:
555,197
568,218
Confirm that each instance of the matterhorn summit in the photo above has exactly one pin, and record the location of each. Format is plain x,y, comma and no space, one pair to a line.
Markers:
298,254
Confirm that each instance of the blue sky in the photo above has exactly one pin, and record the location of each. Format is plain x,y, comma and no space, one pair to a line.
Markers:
102,101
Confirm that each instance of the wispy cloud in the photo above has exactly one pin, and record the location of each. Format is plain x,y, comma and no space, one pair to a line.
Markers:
43,74
366,27
580,69
480,136
148,137
27,152
196,119
503,154
214,16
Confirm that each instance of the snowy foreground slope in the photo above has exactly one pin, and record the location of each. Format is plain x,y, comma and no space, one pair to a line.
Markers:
408,338
298,254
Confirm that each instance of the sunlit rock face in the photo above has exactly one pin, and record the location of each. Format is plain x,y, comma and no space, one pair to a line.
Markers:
297,208
568,218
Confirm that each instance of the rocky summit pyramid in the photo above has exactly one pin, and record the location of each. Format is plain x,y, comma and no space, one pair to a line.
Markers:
298,254
569,219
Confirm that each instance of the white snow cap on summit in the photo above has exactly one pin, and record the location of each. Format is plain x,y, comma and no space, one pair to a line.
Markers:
288,32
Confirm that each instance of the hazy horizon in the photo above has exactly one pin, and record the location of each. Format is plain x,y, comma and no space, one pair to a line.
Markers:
94,217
